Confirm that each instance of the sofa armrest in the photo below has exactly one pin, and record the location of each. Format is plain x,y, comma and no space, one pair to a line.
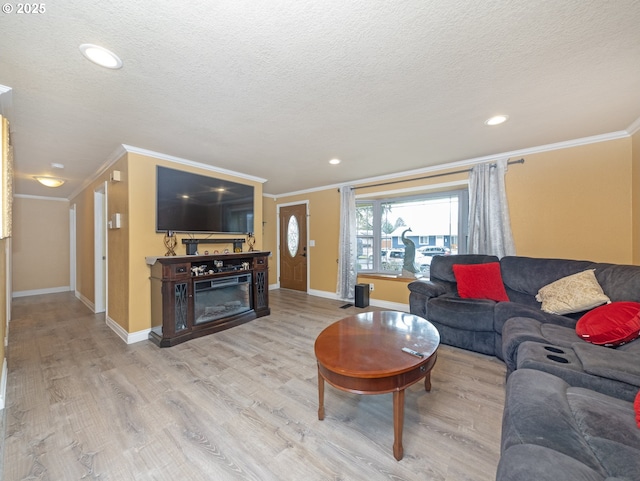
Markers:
429,289
420,291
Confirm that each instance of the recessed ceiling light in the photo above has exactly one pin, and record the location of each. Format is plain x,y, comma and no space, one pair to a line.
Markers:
335,161
55,165
101,56
496,120
49,181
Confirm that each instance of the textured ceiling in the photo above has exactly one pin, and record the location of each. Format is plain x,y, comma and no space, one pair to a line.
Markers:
275,89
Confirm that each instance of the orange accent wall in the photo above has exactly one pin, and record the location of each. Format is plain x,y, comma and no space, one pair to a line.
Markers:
574,202
129,294
28,247
635,187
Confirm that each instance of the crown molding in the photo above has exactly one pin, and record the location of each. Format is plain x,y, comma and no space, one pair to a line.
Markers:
124,149
6,96
634,127
467,163
40,197
109,161
191,163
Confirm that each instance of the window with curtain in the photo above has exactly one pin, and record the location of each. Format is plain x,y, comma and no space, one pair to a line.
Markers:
436,223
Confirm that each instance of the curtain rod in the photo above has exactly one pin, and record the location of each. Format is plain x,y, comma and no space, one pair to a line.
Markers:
511,162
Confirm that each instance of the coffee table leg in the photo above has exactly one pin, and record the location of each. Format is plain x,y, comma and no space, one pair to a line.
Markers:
320,396
427,382
398,423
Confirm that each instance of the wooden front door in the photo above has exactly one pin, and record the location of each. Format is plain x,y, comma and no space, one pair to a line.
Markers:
293,247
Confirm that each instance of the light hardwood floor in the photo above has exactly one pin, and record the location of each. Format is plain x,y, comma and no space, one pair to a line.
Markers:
236,405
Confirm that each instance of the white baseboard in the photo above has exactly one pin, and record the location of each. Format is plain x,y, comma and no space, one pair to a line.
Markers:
86,301
37,292
325,294
3,384
393,306
128,337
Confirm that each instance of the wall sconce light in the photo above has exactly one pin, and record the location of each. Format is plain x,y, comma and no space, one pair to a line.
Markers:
49,181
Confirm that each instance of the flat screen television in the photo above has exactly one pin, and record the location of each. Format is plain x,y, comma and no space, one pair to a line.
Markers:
187,202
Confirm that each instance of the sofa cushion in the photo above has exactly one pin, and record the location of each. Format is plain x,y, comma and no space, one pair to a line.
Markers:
610,325
619,282
530,462
465,314
526,275
574,293
480,281
607,425
595,430
537,411
441,268
609,363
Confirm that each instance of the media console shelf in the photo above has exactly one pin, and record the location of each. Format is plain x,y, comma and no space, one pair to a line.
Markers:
192,244
192,296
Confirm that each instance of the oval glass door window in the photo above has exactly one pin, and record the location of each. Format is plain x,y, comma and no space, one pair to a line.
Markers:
293,236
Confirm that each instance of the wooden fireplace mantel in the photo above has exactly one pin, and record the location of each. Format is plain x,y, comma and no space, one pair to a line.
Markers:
172,293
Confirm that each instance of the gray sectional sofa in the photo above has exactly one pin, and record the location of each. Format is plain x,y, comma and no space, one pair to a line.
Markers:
552,431
569,411
477,324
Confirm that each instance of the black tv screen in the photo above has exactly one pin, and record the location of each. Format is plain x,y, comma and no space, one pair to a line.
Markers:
187,202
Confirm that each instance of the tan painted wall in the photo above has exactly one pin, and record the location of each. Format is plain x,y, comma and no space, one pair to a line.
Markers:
143,239
134,197
85,282
116,198
4,273
40,246
635,187
568,203
322,227
118,245
269,242
4,269
574,203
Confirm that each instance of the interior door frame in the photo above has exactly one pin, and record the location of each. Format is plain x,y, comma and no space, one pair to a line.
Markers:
100,249
278,240
72,249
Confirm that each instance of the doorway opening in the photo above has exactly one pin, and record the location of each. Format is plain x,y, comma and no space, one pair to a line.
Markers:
100,248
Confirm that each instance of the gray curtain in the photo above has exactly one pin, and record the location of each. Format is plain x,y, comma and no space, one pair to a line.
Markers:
489,222
347,255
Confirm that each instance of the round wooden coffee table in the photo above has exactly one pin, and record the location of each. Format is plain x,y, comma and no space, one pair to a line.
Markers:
363,354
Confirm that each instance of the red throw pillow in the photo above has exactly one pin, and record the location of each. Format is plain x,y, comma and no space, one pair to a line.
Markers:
636,406
610,325
480,281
